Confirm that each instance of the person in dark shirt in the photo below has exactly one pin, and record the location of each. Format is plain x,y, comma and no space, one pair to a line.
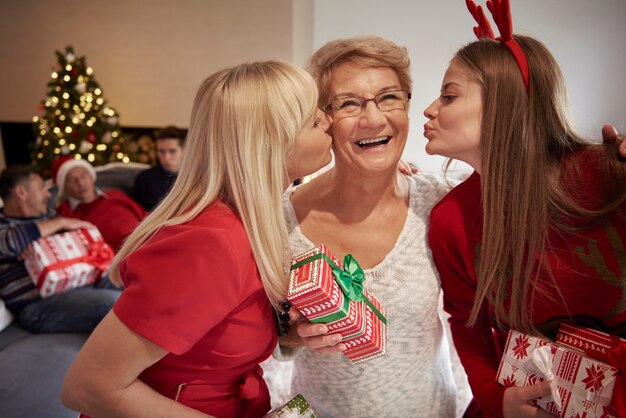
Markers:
152,184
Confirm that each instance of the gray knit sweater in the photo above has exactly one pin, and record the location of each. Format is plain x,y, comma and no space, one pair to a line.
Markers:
413,378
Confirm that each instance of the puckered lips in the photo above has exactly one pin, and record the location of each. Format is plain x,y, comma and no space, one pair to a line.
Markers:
373,142
427,130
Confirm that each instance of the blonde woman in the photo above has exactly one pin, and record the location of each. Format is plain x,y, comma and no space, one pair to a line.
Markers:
203,270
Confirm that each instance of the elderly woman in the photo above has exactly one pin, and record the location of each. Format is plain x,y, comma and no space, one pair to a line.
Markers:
364,206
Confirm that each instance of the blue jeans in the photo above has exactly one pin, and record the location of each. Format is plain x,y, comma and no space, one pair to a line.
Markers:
77,310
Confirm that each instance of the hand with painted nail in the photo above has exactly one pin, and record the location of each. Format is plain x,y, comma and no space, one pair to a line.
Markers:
303,333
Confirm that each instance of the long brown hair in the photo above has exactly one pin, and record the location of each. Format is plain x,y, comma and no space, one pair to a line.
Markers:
525,137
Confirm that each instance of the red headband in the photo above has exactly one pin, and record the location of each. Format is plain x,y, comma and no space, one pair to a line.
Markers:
501,13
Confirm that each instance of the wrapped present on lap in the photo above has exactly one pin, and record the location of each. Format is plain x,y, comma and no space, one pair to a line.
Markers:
60,262
325,293
581,386
298,407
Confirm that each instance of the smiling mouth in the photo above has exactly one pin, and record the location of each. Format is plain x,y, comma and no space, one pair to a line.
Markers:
373,142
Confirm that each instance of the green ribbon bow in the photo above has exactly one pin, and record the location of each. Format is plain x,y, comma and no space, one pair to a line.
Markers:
350,279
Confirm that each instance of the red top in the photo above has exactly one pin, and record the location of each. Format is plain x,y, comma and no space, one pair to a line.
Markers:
115,214
589,267
194,290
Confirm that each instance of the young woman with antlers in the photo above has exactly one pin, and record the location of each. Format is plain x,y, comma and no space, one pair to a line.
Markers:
537,235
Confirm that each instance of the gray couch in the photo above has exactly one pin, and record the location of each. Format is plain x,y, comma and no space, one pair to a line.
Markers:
32,366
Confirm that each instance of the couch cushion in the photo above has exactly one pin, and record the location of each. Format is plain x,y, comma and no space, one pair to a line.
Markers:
33,369
119,176
11,334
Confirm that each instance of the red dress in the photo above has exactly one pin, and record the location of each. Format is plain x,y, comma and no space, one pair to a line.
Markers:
114,213
195,290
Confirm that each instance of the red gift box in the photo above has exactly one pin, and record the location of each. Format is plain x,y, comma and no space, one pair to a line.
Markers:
372,343
584,386
352,325
312,287
325,293
607,348
60,262
594,343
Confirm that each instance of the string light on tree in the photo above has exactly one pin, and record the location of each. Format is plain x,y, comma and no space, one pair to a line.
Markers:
76,119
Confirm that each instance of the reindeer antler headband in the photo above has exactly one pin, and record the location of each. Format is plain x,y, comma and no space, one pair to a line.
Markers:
501,13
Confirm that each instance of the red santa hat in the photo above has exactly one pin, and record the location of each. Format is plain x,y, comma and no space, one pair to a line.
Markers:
62,165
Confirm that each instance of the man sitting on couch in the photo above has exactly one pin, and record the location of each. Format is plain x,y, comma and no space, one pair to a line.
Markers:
23,220
114,213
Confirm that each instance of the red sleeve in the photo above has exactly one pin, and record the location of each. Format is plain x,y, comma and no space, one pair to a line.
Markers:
133,207
179,285
116,216
64,210
454,235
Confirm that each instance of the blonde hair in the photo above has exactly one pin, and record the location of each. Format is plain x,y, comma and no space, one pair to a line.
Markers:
367,51
525,136
243,127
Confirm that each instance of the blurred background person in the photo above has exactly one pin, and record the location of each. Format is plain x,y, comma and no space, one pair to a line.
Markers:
202,272
152,185
114,213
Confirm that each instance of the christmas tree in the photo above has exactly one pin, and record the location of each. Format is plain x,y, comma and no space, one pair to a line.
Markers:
76,120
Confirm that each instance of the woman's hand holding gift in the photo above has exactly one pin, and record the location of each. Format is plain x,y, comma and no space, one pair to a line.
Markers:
303,333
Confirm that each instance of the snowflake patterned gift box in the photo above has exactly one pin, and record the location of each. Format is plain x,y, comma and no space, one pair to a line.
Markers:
298,407
60,262
609,349
582,386
326,293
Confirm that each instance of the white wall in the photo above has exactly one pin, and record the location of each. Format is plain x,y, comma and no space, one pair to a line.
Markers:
588,39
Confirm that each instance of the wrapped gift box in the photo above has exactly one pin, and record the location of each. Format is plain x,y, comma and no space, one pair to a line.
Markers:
372,343
314,290
352,325
60,262
584,385
298,407
594,343
609,349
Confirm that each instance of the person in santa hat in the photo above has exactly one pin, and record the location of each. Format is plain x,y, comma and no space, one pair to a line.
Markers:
114,213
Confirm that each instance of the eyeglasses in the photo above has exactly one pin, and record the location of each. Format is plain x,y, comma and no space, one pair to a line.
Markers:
353,105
